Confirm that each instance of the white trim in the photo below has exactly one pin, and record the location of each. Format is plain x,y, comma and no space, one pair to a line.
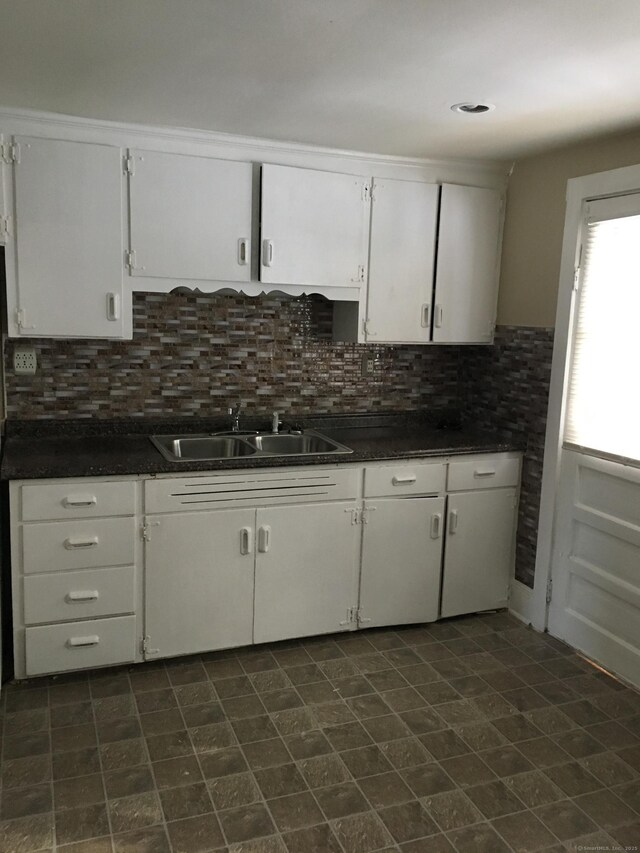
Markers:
602,184
233,147
521,601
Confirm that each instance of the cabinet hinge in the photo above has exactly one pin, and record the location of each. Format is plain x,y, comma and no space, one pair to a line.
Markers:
127,162
549,591
360,516
147,651
366,192
130,260
360,619
352,616
365,327
146,529
10,152
21,320
5,227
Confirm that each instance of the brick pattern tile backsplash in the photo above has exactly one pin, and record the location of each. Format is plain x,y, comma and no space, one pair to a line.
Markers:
196,354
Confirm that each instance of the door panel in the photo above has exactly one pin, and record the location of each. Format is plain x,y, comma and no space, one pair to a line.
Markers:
478,551
199,571
70,259
595,605
314,228
306,570
404,216
401,560
466,288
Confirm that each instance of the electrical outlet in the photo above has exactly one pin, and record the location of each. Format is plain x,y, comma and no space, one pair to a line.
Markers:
25,361
368,364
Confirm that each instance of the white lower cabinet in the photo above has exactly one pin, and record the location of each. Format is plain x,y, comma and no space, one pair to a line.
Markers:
401,561
478,561
306,570
199,570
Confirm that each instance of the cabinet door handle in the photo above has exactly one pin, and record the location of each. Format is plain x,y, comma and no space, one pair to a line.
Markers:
453,521
264,539
82,595
403,481
426,310
79,500
71,544
489,472
267,253
436,524
113,306
243,251
79,642
246,544
437,317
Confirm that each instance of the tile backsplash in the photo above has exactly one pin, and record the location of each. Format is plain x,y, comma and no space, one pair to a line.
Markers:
193,355
197,354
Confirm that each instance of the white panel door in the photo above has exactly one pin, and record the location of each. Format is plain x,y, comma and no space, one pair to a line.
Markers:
199,581
306,570
595,606
190,217
401,561
466,289
70,261
404,216
479,551
314,227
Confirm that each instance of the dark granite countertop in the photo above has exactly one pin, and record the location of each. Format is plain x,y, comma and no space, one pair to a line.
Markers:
39,449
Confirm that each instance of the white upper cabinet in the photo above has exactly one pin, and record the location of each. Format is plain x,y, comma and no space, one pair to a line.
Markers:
69,252
190,218
466,285
404,217
314,228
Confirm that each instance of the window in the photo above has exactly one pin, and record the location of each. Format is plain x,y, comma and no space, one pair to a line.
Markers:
603,404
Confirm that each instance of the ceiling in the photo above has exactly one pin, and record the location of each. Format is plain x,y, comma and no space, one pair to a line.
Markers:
368,75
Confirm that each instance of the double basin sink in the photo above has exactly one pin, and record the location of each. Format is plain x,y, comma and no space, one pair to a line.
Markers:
187,448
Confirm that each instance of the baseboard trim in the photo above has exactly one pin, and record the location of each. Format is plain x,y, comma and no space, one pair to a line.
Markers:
521,601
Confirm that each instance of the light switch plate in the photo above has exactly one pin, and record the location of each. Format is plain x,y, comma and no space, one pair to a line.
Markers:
25,361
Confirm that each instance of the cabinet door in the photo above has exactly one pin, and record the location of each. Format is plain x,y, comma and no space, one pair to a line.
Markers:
306,570
466,288
478,551
68,199
404,216
401,561
199,581
314,229
190,217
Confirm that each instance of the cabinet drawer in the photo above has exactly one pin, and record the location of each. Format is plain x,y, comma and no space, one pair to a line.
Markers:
417,478
79,595
77,645
483,472
61,545
76,499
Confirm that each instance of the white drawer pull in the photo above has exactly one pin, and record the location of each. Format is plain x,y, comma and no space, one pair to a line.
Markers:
403,481
246,540
82,595
453,521
264,539
79,642
80,500
72,544
490,472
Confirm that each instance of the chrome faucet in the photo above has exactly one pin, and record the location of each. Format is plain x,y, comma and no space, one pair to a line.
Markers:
234,413
276,423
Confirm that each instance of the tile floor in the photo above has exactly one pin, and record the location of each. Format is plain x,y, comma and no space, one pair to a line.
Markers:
474,734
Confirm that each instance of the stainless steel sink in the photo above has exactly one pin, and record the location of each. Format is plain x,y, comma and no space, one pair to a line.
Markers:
180,448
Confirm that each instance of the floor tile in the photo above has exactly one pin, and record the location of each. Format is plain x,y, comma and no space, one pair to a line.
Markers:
361,833
245,823
135,812
341,800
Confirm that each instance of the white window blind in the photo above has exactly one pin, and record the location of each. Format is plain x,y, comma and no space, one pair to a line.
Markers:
603,406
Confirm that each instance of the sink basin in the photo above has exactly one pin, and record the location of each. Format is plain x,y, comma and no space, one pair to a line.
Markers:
284,444
180,448
175,447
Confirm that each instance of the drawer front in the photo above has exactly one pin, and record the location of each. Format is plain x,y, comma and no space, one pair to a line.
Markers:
483,472
418,478
77,499
60,545
79,595
78,645
251,488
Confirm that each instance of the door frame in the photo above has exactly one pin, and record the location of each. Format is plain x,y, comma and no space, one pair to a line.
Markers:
579,190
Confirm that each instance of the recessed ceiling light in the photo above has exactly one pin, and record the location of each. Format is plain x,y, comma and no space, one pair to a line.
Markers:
472,108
